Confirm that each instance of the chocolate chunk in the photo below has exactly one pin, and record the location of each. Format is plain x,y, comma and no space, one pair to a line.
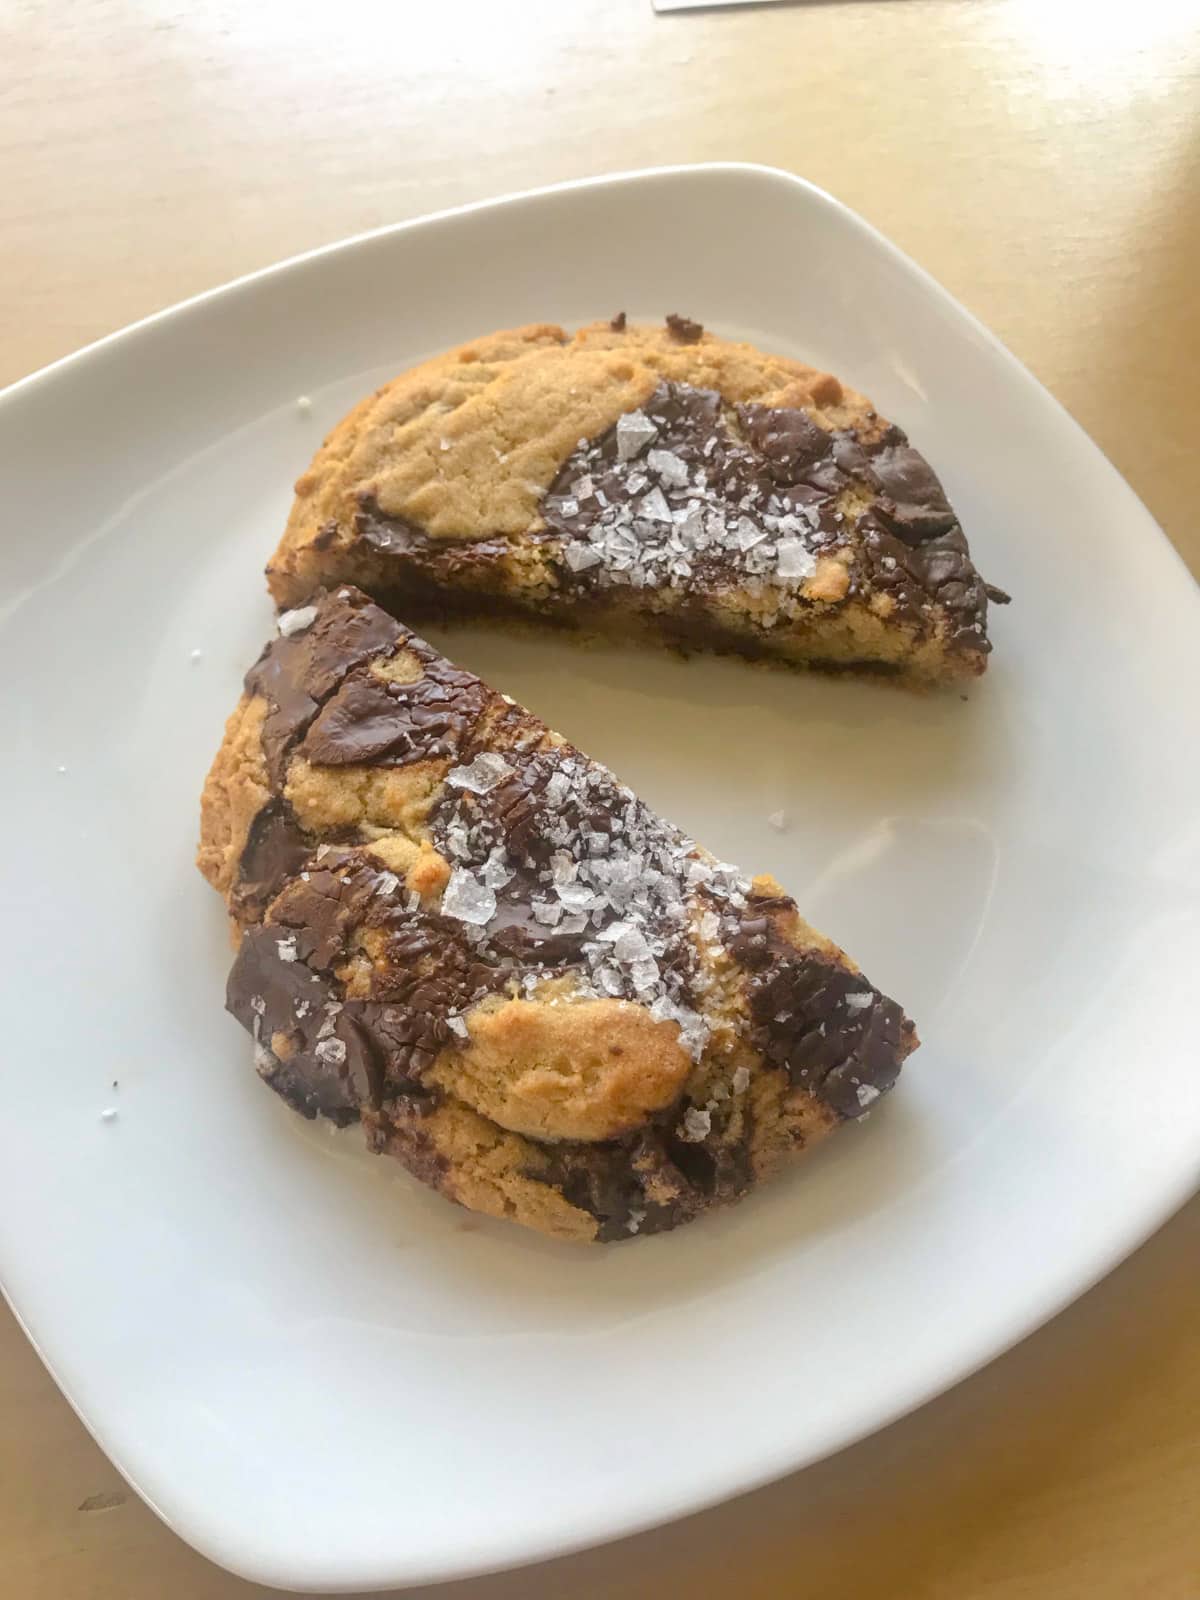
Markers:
372,720
684,329
394,535
938,569
297,674
618,323
789,441
275,848
342,1052
834,1035
912,500
279,999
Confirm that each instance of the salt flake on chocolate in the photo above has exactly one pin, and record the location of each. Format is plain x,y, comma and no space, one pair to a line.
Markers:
467,899
290,622
793,559
634,432
485,773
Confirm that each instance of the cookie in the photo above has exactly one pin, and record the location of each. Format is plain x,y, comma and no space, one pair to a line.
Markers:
643,482
456,929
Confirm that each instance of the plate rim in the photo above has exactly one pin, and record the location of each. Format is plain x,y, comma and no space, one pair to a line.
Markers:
1168,1197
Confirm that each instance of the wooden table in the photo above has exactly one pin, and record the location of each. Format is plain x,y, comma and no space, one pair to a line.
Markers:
1040,157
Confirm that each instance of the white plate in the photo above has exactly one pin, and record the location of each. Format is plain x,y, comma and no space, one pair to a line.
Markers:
322,1375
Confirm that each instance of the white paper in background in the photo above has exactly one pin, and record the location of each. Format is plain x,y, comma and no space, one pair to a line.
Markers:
713,5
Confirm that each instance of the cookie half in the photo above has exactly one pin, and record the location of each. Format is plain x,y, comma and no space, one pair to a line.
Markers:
541,997
652,482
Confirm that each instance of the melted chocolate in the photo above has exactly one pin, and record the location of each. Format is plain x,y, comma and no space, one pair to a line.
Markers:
296,675
833,1033
275,849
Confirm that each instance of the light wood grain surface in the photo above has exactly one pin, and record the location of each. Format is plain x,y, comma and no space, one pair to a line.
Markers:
1042,159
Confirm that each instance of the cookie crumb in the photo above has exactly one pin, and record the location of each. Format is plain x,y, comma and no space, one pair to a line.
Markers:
196,655
684,329
303,405
618,323
109,1114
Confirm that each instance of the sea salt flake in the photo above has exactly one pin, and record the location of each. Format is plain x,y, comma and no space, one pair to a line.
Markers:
290,622
257,1004
778,820
634,432
747,533
635,1218
494,873
386,883
287,948
466,899
582,488
563,867
859,1001
576,896
484,774
332,1052
631,945
668,467
548,912
568,508
696,1125
579,556
458,1026
645,974
710,926
866,1093
793,559
741,1080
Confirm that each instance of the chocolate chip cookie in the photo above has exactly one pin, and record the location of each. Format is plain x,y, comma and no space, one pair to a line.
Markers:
457,930
653,482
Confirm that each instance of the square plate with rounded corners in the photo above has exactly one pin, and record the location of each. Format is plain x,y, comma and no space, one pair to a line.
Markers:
322,1375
